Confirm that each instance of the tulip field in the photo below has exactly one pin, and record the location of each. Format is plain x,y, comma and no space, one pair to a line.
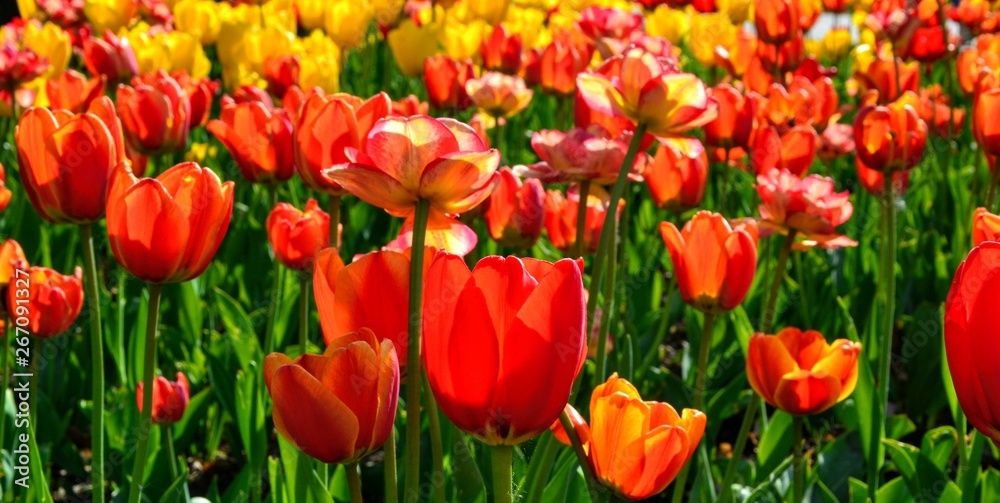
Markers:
530,251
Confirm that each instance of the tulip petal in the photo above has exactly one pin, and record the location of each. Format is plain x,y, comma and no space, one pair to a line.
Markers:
618,421
665,450
402,147
328,266
352,374
373,186
599,94
311,417
841,361
768,361
458,182
806,347
149,232
388,392
804,393
373,292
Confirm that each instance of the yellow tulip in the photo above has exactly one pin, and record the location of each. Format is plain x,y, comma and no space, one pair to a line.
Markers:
669,23
832,47
462,40
412,44
199,18
109,14
311,13
168,50
279,14
347,22
739,11
709,31
530,24
51,42
491,11
27,8
387,11
322,71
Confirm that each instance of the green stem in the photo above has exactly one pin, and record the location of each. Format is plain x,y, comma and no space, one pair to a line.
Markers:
963,447
888,322
168,431
36,352
582,457
725,183
607,308
767,317
4,367
802,289
661,334
497,136
540,472
413,347
798,465
391,488
437,447
741,442
502,459
96,360
304,313
354,482
994,172
148,369
272,308
335,221
581,219
608,229
701,373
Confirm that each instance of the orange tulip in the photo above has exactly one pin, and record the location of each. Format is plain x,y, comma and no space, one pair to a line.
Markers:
714,262
984,121
799,372
561,215
578,155
648,90
977,66
780,59
881,76
200,93
155,113
442,161
167,229
493,334
555,67
445,79
11,258
410,106
297,236
985,227
328,127
676,182
874,181
259,140
50,303
66,160
281,73
501,52
5,193
170,399
734,124
72,91
110,56
793,151
890,137
515,211
809,206
337,407
499,95
777,21
635,448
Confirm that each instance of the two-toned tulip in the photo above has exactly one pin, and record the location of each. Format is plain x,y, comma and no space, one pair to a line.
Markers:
50,303
259,139
799,372
110,56
170,399
499,95
675,181
968,337
445,80
713,261
634,447
298,235
185,213
578,155
985,227
155,113
515,211
12,258
337,407
66,160
890,137
493,333
810,206
72,91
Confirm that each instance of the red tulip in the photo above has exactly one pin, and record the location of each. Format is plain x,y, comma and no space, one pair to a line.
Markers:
155,113
734,124
793,151
561,216
808,206
410,106
889,137
72,91
18,66
110,56
676,182
445,79
340,406
170,399
881,76
557,65
297,236
494,334
66,160
200,93
50,303
502,51
260,141
281,73
167,229
777,21
248,93
515,211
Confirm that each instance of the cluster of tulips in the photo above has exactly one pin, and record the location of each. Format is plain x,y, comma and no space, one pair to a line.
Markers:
677,96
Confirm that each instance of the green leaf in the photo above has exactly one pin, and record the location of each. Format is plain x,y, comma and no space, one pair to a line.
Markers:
239,329
775,444
858,490
905,457
894,491
864,393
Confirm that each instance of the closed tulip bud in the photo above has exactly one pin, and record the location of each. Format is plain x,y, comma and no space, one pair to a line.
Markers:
734,124
328,128
185,213
298,235
714,262
676,182
777,21
499,95
66,160
501,52
793,151
281,73
799,372
407,159
810,207
491,335
985,227
337,407
155,113
984,123
561,217
53,301
783,58
12,258
72,91
260,141
558,64
201,95
635,448
445,79
650,91
515,211
170,399
890,137
111,57
410,106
